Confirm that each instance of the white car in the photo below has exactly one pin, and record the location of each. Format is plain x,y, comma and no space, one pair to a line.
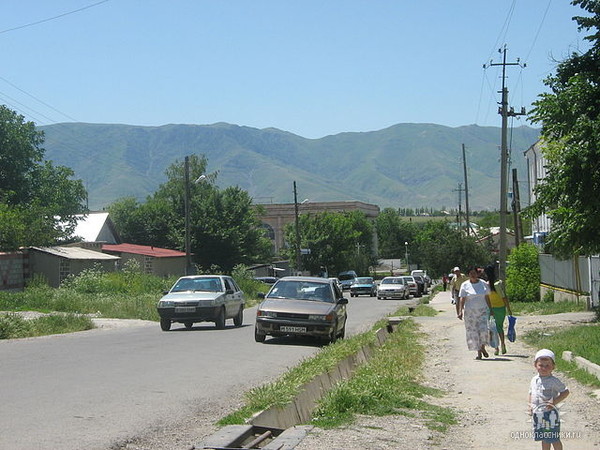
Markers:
202,298
393,287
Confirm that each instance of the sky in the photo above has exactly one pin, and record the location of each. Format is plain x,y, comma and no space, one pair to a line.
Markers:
310,67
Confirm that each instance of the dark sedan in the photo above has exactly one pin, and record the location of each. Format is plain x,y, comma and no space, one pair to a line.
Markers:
302,306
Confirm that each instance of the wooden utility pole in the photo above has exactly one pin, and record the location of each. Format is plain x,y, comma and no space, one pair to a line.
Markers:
505,112
297,221
186,208
466,191
516,208
459,215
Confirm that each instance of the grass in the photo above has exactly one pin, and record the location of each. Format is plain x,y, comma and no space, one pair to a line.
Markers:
582,340
384,385
13,326
543,308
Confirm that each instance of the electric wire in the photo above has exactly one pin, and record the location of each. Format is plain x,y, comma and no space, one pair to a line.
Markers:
52,18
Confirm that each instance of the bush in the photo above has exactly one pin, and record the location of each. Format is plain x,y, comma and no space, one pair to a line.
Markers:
523,274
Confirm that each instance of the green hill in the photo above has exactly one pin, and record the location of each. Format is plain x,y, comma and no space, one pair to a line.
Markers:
405,165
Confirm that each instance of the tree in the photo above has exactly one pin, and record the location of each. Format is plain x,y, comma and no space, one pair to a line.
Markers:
523,274
392,233
570,118
38,201
338,241
442,247
224,227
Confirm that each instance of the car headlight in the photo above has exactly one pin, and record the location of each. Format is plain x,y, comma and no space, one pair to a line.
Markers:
261,313
317,317
166,304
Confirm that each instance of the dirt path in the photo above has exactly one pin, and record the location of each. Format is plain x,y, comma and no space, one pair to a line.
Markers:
490,396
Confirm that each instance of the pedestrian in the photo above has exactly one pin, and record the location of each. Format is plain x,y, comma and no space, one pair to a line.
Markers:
499,303
474,306
545,392
457,279
445,282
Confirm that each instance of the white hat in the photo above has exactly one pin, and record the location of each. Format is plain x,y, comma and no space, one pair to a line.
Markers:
544,353
455,269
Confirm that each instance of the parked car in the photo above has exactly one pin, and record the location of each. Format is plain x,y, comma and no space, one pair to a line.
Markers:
422,285
302,306
426,278
347,278
363,286
412,285
202,298
393,287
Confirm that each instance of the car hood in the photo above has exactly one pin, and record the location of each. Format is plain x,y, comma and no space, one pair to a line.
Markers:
296,306
189,296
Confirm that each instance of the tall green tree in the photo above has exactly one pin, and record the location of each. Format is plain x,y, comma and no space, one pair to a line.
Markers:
441,247
224,226
338,241
38,201
570,117
392,234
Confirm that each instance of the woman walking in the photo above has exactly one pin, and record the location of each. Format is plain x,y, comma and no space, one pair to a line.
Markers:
499,304
474,306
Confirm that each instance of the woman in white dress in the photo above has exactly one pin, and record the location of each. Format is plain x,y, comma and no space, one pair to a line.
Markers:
474,305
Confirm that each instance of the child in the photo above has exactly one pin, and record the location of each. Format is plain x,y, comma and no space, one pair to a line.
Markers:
545,392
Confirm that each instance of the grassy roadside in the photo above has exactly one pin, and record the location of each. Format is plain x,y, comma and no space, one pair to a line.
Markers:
386,384
13,326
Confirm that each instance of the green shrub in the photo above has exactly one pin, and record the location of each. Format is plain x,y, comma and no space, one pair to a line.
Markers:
523,274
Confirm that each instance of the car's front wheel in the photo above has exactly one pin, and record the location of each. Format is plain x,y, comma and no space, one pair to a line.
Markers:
165,324
238,320
189,325
220,320
259,337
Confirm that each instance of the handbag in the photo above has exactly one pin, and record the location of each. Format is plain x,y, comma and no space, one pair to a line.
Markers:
511,334
493,332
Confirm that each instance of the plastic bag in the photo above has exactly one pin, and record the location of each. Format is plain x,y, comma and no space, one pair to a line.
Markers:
511,334
493,332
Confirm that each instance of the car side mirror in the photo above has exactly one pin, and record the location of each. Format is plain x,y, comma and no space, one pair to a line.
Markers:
229,291
343,301
165,292
261,295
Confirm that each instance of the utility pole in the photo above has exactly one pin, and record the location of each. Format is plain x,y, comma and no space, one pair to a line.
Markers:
516,208
297,221
505,112
459,215
466,190
186,208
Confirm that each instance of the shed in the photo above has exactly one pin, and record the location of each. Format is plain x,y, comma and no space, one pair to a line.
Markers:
57,263
96,227
157,261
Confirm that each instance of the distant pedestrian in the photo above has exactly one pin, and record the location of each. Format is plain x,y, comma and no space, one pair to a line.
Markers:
474,306
545,392
457,279
445,282
499,303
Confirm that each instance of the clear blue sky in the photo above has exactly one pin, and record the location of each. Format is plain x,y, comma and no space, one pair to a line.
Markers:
310,67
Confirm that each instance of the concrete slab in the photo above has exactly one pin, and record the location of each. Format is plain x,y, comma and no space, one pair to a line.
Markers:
289,439
229,436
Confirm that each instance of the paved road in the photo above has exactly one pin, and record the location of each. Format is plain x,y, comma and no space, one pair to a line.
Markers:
94,388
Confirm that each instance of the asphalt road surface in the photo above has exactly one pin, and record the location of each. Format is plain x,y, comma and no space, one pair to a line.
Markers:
100,387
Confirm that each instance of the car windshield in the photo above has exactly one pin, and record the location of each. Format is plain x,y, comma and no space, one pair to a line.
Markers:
301,290
392,281
198,284
364,280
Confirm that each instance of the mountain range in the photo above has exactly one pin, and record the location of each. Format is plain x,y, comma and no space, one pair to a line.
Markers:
405,165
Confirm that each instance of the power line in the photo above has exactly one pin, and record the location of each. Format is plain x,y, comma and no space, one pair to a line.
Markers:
52,18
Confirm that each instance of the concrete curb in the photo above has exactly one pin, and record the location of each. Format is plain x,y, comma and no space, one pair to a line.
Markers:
582,363
289,417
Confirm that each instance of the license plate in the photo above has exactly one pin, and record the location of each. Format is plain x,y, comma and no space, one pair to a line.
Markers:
287,329
185,309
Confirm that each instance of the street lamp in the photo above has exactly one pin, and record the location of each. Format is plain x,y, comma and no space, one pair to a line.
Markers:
406,255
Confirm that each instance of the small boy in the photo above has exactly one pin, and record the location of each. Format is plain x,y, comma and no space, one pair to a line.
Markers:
545,392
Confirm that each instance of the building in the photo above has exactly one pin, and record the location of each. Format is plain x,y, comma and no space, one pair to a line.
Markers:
277,215
157,261
536,171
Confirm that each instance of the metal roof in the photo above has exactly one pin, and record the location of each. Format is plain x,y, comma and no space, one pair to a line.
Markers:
75,253
145,250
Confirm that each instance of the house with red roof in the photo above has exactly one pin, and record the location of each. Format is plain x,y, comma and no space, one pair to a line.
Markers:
157,261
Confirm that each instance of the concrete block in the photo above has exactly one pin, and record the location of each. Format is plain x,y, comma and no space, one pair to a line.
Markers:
591,367
277,417
229,436
567,356
289,439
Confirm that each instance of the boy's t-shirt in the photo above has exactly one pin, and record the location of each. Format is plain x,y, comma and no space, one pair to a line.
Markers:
544,389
